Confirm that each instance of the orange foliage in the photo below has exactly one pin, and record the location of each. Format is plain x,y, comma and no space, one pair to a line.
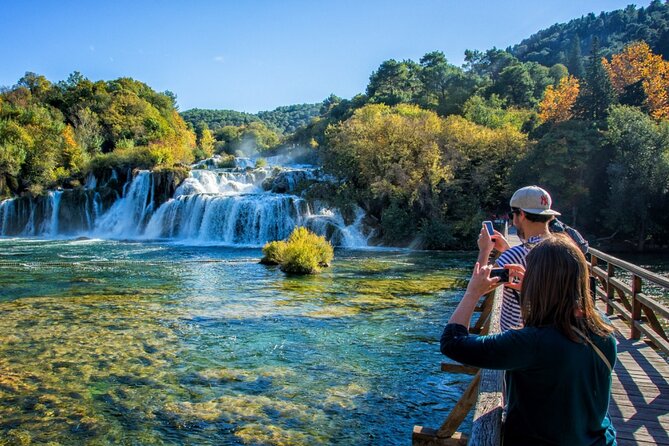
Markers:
638,63
68,137
558,101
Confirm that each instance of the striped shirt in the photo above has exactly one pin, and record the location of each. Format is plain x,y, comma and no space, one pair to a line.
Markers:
511,315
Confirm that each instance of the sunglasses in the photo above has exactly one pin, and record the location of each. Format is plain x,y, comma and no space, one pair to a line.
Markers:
512,212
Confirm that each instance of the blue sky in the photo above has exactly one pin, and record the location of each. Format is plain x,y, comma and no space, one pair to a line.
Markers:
258,54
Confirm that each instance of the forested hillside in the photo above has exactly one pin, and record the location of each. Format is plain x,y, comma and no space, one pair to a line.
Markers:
51,135
569,43
291,117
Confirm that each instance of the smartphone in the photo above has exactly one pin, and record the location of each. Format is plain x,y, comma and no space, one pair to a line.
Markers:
489,228
502,273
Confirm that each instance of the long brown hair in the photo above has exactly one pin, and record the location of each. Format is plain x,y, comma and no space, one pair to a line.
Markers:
556,290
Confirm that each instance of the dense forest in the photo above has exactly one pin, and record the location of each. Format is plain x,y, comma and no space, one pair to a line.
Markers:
428,150
565,42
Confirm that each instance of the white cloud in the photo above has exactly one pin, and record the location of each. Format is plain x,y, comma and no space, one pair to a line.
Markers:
218,59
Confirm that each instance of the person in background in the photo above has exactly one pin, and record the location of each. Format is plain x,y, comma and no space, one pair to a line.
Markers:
531,214
559,364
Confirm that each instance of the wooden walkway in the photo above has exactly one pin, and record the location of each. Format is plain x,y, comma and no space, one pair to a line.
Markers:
639,405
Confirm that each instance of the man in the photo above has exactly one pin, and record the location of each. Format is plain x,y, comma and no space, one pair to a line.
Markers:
530,214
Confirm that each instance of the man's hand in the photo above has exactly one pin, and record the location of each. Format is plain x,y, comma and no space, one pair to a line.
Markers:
487,243
501,244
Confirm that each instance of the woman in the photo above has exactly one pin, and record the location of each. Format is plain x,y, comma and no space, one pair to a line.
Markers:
558,384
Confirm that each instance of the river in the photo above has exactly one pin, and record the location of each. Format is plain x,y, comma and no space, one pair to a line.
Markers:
154,343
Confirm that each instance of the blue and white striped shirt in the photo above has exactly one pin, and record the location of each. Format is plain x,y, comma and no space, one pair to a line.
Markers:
511,315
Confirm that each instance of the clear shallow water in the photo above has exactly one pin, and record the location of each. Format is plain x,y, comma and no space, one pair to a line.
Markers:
109,342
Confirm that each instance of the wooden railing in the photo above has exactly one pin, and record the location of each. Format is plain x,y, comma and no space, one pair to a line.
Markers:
484,392
621,286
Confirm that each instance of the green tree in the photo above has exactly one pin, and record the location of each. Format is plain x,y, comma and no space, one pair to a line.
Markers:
562,161
597,94
205,142
638,173
390,159
574,58
516,86
394,82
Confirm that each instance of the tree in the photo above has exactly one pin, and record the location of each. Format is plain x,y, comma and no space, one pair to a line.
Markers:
637,66
391,160
394,82
557,72
73,157
597,95
38,85
638,173
574,58
491,113
515,85
557,104
489,64
206,143
562,160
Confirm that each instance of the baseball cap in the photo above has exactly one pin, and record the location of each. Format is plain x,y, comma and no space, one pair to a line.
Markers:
533,200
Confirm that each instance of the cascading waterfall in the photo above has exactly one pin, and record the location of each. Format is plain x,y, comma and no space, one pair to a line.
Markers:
239,207
129,214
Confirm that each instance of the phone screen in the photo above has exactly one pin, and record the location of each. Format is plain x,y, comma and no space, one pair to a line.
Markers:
489,228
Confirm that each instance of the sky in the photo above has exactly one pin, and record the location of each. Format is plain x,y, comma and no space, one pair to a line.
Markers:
253,55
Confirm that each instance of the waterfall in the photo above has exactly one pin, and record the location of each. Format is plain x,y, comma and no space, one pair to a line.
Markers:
54,205
7,216
128,215
234,206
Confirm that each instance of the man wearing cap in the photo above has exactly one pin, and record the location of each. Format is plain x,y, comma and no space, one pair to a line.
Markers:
530,213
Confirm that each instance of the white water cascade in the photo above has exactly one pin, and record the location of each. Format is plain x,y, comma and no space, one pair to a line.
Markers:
211,206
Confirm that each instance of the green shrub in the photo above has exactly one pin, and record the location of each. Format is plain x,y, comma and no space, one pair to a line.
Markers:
273,253
226,161
302,253
261,162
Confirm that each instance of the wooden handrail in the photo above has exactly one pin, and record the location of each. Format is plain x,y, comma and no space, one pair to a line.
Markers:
484,393
632,268
487,423
641,311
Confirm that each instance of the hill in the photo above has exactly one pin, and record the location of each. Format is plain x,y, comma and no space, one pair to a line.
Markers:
285,119
557,44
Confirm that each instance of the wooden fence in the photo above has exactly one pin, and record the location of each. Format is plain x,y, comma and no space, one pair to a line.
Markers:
484,393
620,285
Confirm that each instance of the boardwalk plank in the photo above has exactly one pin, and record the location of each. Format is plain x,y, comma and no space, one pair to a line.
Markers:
639,407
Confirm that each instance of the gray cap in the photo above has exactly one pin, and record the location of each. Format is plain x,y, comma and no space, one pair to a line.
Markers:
533,200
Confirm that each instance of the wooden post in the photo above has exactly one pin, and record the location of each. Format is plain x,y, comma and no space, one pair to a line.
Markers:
636,307
610,291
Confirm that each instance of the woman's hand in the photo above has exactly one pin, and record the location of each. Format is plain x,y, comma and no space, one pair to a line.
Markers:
516,275
481,283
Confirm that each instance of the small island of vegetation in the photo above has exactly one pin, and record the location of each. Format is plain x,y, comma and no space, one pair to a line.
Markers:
302,253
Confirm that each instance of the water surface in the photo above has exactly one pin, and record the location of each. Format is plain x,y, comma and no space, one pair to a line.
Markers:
108,342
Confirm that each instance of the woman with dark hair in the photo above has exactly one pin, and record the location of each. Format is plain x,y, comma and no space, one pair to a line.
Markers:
559,364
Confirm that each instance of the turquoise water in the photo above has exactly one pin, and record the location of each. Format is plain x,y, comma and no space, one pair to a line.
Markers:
131,343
